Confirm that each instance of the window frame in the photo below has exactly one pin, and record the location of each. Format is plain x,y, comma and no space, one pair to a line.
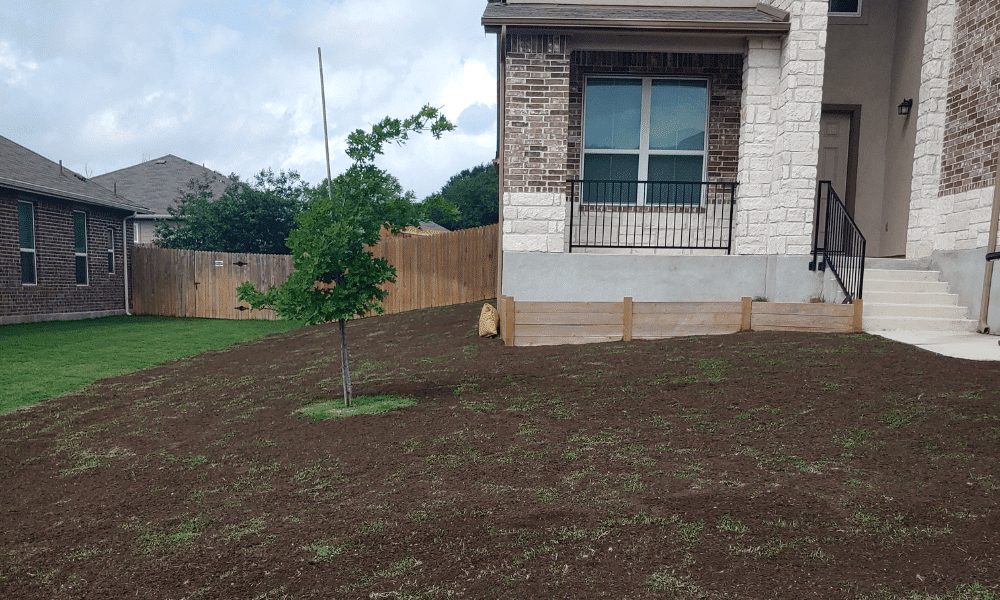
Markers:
33,251
77,255
111,250
644,152
856,13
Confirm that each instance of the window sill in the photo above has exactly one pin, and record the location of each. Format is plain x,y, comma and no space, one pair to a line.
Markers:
646,208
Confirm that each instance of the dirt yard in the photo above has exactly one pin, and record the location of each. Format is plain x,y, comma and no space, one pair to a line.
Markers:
748,466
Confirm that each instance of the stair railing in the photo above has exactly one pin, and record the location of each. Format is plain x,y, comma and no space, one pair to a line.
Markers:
838,242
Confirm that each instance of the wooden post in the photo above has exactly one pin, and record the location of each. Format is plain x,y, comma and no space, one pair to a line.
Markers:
509,329
991,246
627,320
747,321
859,310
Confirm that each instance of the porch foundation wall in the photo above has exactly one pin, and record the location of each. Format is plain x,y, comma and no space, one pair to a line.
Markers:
646,278
964,271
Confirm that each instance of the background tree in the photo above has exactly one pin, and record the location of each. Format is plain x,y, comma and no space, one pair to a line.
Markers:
474,193
346,216
252,216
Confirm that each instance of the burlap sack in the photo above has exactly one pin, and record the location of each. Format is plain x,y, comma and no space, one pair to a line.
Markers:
489,319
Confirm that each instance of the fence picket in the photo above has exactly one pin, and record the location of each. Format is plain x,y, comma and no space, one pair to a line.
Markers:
431,270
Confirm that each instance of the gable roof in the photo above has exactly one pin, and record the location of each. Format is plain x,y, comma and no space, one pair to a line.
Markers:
761,19
159,182
26,171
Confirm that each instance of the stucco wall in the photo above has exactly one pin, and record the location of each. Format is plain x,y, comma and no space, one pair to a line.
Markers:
609,278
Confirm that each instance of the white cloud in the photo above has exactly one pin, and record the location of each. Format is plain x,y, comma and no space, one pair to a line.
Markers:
235,85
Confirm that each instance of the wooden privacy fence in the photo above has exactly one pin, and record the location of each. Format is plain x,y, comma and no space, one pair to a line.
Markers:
431,270
547,323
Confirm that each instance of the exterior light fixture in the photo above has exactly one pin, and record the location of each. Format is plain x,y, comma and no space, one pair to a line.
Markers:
905,106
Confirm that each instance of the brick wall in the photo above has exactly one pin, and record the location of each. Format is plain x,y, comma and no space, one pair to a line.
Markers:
535,125
725,75
973,111
56,291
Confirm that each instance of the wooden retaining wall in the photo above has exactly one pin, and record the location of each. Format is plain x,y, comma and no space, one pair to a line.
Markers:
431,270
547,323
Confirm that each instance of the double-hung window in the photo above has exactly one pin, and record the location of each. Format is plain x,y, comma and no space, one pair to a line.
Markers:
80,246
645,129
111,249
26,232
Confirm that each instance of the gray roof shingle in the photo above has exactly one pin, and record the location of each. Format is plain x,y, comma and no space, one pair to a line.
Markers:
634,17
158,183
26,171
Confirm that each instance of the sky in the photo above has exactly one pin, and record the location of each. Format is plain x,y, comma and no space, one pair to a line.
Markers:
234,85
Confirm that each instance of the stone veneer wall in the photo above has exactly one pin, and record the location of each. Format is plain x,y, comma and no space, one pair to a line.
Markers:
535,145
782,98
954,174
724,72
927,210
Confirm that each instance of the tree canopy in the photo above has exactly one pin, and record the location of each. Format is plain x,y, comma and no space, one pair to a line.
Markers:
255,216
336,277
474,193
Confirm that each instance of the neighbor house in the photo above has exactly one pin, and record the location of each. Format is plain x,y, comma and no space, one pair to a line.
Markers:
158,184
711,150
64,241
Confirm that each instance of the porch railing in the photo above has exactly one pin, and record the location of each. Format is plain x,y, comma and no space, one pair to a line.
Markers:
838,243
652,214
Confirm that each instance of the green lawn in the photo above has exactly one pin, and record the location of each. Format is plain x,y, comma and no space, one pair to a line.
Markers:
41,360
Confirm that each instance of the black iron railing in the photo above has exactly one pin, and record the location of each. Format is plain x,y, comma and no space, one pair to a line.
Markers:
838,243
651,214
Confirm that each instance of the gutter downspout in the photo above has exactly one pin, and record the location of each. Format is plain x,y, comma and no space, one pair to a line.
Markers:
501,132
991,246
125,255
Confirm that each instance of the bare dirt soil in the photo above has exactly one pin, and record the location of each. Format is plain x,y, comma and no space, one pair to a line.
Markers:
755,465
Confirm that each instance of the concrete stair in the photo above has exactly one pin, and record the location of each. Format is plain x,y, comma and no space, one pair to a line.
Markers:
905,295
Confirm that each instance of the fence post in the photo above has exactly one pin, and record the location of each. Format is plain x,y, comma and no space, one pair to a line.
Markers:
746,323
627,320
859,310
509,329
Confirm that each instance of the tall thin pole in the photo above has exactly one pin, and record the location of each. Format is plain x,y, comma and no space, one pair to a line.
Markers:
326,133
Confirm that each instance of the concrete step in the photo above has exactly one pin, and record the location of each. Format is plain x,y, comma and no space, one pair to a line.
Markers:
910,297
900,275
915,324
934,311
905,287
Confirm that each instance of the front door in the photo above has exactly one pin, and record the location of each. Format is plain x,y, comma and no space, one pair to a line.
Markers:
834,153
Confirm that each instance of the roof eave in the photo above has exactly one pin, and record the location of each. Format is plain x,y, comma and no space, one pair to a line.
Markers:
493,24
31,188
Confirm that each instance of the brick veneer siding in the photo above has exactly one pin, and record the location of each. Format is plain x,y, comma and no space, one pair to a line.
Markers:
535,124
56,292
973,114
725,82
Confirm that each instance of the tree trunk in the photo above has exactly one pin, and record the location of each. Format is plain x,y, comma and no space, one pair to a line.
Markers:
346,372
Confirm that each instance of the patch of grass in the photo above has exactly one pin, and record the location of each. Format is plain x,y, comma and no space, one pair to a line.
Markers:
901,417
854,439
324,552
42,360
363,405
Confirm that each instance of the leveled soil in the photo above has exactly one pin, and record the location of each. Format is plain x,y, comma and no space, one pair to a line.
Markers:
754,465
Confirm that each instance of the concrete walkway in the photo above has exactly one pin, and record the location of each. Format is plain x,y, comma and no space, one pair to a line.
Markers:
958,344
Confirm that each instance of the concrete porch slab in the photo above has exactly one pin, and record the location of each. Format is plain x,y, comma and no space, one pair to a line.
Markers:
957,344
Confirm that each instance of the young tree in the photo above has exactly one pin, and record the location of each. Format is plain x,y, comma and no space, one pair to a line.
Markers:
329,245
253,217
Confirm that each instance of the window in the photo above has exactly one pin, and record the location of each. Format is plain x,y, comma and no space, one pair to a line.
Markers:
645,129
111,249
26,231
80,246
845,8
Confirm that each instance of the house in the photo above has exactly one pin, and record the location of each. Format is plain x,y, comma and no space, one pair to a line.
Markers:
712,150
64,241
157,184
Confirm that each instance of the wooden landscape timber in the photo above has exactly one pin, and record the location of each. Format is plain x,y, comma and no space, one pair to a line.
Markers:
549,323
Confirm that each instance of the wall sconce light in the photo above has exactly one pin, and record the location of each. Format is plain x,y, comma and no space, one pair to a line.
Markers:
905,106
